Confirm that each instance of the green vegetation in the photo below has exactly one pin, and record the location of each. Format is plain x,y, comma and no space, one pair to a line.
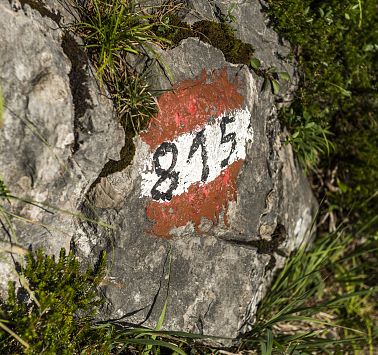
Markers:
52,312
323,300
3,190
219,35
112,33
336,46
309,139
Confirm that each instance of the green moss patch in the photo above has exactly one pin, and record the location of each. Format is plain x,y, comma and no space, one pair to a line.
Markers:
219,34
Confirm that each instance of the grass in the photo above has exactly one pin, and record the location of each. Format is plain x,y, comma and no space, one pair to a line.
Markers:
113,32
323,300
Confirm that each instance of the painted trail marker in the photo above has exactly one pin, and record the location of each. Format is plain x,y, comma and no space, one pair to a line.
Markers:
197,145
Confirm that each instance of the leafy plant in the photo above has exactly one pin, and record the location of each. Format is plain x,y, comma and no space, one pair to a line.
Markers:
54,313
226,17
271,75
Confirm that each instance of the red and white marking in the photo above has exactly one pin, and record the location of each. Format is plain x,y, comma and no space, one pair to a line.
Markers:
190,170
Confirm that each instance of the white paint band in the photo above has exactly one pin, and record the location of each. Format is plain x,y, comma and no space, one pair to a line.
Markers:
237,131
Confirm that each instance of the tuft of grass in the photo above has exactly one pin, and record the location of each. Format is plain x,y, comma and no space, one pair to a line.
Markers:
113,29
309,140
322,301
114,32
136,102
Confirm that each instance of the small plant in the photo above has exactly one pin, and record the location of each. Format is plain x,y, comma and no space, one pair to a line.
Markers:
53,315
309,139
4,192
137,104
226,17
271,76
111,30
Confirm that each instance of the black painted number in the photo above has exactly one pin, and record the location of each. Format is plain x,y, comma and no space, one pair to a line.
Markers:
200,141
165,174
227,137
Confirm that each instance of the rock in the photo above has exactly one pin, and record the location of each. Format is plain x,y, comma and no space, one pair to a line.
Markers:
213,201
58,129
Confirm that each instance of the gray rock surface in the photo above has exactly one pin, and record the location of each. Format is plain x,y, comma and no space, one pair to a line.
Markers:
58,130
212,265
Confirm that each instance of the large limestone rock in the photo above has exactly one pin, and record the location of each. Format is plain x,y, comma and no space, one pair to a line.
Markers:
58,131
213,201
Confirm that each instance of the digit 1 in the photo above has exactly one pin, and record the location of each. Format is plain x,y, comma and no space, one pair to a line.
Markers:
200,141
165,174
227,137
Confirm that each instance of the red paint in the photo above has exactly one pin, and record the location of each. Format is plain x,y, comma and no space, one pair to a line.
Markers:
188,107
201,201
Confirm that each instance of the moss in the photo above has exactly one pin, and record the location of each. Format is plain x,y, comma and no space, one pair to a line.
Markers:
222,36
219,35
